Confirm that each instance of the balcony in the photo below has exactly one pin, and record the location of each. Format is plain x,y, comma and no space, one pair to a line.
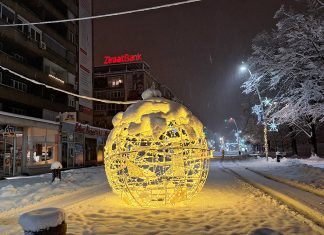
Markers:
32,10
9,93
14,36
7,62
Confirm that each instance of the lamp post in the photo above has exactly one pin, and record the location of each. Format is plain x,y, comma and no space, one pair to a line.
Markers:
237,132
264,121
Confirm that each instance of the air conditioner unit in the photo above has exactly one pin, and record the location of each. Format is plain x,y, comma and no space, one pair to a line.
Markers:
42,45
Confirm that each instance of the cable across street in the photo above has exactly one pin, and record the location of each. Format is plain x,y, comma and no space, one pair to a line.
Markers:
104,15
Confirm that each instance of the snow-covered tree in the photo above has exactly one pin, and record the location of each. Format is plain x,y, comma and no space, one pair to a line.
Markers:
288,64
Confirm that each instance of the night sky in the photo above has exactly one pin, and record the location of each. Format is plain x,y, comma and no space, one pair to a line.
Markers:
194,49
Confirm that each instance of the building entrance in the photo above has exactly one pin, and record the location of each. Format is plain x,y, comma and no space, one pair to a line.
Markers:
10,153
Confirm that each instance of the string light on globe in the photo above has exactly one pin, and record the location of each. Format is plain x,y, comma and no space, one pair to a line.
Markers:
157,153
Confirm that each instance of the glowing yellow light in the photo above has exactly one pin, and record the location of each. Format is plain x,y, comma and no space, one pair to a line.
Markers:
157,154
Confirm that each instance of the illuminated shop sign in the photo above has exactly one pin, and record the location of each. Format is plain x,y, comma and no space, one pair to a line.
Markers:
122,59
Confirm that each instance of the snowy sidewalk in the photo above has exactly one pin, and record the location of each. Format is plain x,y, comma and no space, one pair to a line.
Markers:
306,203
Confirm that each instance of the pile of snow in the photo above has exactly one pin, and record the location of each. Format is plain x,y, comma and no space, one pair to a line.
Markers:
42,219
307,171
56,165
314,161
22,191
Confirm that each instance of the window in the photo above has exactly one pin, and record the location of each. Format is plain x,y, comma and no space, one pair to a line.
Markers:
42,146
115,82
7,15
100,94
99,107
52,98
18,111
116,94
71,101
55,70
20,27
35,34
18,85
19,57
31,31
71,37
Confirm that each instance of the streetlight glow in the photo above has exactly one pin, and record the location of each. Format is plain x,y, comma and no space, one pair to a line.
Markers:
243,68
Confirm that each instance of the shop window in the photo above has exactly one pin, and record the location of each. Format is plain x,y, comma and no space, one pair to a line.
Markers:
42,146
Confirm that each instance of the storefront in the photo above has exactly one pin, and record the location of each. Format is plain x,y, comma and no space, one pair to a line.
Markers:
10,149
27,145
82,145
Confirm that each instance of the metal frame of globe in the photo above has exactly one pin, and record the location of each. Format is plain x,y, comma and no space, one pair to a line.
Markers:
150,172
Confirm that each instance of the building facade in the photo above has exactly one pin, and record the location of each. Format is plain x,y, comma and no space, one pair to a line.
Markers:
32,135
123,81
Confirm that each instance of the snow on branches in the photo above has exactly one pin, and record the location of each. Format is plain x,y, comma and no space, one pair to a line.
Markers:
288,64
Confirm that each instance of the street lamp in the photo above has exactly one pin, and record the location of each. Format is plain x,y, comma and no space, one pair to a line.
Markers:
244,68
237,135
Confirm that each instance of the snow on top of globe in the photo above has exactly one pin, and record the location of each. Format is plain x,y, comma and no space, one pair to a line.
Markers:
151,92
150,117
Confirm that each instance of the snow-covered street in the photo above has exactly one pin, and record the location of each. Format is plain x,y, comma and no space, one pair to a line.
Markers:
226,205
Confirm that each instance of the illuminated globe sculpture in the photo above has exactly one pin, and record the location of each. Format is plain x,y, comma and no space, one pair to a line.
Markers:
157,154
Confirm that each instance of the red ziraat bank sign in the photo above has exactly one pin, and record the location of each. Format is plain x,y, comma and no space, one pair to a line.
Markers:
122,59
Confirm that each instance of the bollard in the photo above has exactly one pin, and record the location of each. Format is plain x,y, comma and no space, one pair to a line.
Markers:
45,221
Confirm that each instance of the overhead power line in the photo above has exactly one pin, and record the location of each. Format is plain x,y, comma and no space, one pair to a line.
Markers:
67,92
104,15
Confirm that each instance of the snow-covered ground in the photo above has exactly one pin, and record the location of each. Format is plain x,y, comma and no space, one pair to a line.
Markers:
308,171
18,192
226,205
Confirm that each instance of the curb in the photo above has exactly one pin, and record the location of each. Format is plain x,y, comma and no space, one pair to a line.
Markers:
290,183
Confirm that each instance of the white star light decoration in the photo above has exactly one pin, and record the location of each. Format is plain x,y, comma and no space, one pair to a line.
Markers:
273,126
267,102
257,109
